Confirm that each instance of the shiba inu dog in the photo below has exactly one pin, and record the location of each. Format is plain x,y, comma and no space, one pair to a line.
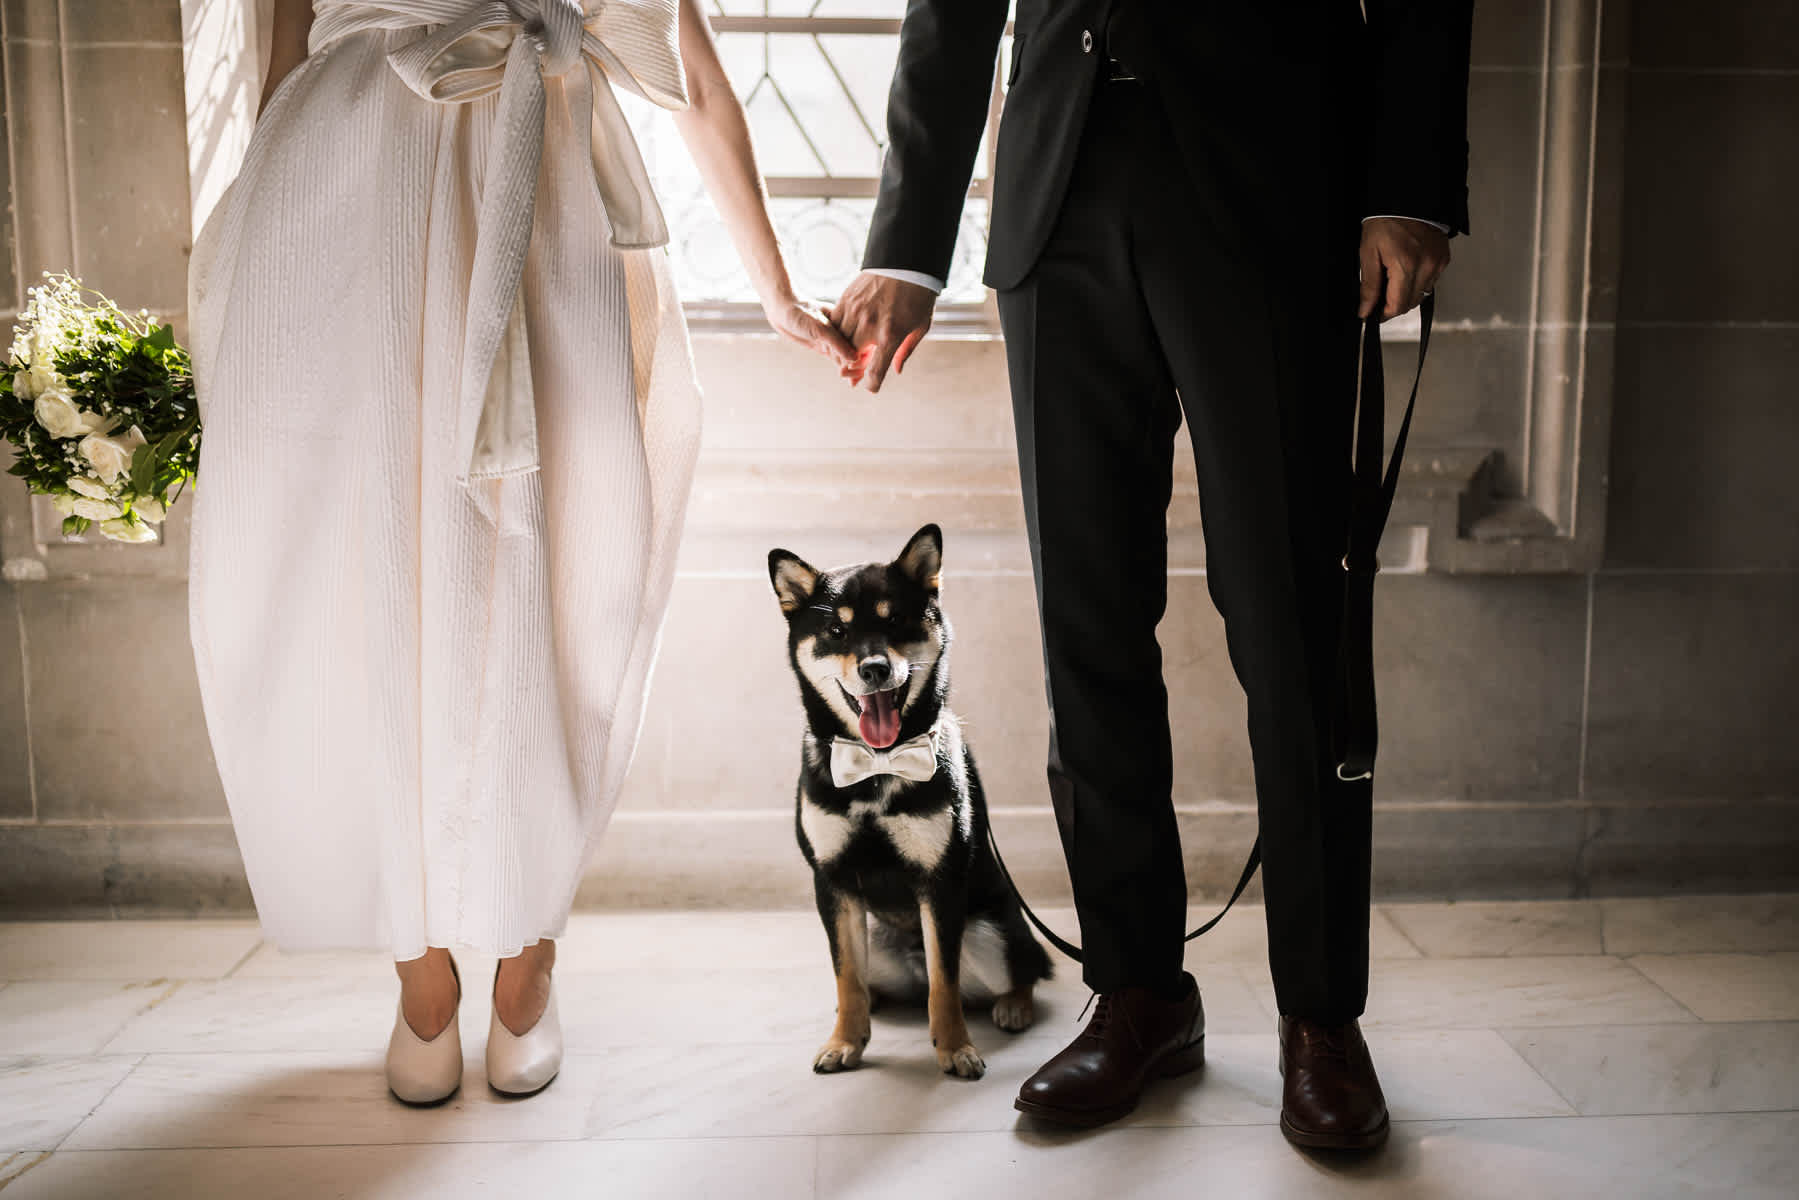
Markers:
890,814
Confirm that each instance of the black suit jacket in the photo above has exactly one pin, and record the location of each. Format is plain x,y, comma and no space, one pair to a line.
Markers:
1297,116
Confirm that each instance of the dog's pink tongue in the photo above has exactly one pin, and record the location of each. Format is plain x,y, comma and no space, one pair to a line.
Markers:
880,721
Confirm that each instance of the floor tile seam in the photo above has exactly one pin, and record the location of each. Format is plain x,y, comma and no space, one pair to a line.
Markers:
1377,1026
1725,1023
249,954
99,1104
1503,1029
156,1002
809,1043
1070,1136
1573,1108
1386,911
1427,956
140,981
42,1157
601,1138
1630,961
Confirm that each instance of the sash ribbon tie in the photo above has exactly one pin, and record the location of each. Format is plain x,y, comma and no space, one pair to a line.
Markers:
467,51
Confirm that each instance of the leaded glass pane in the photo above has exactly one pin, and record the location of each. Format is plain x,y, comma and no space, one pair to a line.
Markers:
815,90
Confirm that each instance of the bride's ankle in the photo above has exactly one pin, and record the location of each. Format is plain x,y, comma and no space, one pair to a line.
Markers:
521,986
429,991
533,963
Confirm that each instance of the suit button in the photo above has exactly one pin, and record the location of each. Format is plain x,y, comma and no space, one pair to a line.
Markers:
1086,41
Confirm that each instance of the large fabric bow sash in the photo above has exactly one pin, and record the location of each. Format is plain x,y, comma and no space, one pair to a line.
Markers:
470,50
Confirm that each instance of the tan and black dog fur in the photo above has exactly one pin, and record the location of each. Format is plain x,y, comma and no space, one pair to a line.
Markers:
870,645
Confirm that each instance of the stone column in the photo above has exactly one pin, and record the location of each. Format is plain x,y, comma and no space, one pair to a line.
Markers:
109,800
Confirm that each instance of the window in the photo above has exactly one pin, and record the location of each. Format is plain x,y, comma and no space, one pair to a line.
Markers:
813,76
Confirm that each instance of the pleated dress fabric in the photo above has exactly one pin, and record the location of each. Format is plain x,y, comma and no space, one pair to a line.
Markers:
423,689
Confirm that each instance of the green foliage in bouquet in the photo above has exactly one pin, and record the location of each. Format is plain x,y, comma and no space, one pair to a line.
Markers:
99,407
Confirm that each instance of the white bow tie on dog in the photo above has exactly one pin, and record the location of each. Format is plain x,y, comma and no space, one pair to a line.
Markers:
853,761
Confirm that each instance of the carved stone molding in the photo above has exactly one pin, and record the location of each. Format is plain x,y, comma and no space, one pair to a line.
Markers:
1557,523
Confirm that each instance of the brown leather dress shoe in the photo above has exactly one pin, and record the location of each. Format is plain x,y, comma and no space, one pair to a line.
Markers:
1135,1036
1330,1098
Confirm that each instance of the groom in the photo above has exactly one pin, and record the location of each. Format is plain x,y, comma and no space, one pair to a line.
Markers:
1186,195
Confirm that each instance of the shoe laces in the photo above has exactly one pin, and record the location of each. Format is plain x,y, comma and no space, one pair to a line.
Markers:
1325,1042
1103,1011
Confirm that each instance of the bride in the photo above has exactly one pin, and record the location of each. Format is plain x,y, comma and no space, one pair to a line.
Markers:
450,430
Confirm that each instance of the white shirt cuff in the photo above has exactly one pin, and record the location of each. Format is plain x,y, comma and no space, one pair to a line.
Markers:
1436,225
918,277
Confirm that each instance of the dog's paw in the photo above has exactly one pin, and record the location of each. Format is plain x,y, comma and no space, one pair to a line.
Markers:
837,1056
1014,1011
964,1062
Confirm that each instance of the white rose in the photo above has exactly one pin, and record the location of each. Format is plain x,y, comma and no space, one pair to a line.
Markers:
96,510
57,412
110,457
87,485
64,503
126,531
148,509
43,378
22,385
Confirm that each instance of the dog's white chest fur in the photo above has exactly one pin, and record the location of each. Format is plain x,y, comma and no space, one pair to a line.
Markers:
919,838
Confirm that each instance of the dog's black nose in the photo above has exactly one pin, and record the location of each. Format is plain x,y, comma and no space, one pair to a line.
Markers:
875,672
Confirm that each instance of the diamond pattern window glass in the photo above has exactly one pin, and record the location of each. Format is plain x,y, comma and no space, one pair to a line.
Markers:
813,77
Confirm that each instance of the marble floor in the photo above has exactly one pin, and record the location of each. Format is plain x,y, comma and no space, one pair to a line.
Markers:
1612,1048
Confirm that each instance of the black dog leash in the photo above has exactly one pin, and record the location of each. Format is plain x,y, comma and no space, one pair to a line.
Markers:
1073,951
1356,734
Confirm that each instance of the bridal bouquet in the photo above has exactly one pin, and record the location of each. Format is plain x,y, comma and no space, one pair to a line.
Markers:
99,407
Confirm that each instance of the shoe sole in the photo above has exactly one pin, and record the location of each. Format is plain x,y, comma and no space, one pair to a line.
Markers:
441,1100
1374,1139
1187,1059
522,1095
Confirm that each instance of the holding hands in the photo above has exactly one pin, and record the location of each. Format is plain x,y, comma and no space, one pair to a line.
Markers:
873,328
807,325
883,318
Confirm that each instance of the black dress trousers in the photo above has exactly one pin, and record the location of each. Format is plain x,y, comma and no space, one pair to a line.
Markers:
1164,291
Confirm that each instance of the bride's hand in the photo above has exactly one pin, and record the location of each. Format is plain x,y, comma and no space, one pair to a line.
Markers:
807,325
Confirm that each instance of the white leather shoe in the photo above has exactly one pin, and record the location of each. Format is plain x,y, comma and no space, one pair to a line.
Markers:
519,1064
421,1072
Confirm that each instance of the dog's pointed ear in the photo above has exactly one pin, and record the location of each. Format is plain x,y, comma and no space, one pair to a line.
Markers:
793,578
922,558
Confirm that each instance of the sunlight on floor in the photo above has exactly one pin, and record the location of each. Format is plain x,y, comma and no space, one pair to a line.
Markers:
1599,1048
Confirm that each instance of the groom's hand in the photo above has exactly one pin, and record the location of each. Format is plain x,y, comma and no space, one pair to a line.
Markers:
1406,256
883,318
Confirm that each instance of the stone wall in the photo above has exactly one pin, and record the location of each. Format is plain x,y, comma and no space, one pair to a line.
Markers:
1586,688
1694,652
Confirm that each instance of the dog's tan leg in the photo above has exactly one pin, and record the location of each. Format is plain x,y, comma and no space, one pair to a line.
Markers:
849,955
949,1028
1015,1010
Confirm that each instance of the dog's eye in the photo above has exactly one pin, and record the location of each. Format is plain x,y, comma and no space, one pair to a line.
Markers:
836,630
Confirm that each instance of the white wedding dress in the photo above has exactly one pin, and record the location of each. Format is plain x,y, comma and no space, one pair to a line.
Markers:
450,426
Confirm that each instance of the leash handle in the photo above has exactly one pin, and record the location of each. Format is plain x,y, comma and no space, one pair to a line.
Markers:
1355,735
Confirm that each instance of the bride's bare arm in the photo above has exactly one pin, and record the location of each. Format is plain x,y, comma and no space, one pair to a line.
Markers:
718,136
293,21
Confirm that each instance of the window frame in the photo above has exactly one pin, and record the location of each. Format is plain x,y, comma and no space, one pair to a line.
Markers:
969,318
